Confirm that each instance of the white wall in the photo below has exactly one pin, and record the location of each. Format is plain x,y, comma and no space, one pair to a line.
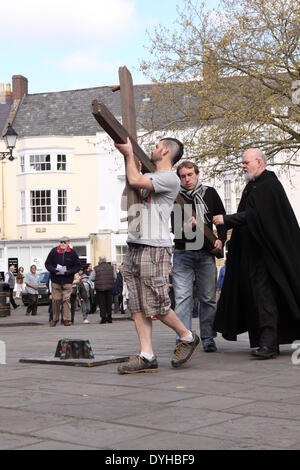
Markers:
111,179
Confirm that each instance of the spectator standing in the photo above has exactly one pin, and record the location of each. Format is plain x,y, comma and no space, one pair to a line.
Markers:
11,281
103,278
94,300
121,282
74,293
32,288
86,295
62,263
20,281
221,279
220,282
116,289
171,289
88,269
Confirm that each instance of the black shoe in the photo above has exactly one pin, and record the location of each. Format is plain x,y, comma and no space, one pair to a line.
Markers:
210,347
109,320
264,352
102,321
16,306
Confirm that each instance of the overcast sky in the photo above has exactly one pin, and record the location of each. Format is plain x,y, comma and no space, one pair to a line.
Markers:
67,44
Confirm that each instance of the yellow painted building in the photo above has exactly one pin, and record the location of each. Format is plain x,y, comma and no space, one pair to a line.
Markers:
64,180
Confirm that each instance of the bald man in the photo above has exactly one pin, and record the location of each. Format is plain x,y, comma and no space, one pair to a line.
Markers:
261,292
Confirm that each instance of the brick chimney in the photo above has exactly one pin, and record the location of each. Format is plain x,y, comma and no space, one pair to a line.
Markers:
210,68
19,86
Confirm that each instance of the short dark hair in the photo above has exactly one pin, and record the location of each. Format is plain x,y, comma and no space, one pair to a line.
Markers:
176,148
187,164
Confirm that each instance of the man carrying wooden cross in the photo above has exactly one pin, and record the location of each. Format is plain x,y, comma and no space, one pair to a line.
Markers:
149,256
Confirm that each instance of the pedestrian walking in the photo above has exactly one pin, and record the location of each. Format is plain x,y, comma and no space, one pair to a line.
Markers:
11,281
62,262
149,256
20,282
32,289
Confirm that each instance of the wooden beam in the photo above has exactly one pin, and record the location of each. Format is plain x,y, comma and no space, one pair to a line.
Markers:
119,134
129,122
127,101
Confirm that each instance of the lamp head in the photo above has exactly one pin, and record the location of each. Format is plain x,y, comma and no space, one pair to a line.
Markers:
10,137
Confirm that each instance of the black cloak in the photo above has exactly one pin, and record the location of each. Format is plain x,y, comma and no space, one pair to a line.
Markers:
266,230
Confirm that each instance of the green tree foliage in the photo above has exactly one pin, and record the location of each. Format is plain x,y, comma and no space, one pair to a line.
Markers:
226,75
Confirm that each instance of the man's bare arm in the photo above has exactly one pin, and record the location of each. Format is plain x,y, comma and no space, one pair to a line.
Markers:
135,179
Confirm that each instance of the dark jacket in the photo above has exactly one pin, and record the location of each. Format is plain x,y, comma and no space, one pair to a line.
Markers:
215,207
69,258
84,293
104,279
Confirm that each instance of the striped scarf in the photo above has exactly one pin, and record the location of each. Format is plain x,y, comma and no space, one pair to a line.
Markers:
196,195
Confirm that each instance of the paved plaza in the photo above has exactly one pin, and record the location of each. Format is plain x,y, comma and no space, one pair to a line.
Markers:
220,400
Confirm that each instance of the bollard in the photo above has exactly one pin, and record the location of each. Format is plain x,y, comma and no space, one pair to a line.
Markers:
2,353
4,300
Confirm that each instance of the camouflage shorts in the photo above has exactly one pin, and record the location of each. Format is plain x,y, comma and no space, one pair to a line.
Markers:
147,278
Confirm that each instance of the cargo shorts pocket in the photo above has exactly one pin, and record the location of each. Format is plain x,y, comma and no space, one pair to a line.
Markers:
156,300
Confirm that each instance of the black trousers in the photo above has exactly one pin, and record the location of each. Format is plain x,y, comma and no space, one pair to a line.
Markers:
11,297
266,307
32,304
104,300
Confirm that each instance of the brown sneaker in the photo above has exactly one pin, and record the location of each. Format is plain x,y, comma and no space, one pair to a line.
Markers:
138,364
184,351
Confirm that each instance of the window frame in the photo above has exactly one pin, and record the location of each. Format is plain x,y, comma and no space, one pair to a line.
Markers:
55,158
25,214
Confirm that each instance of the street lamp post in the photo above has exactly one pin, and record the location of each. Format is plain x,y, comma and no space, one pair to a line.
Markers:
10,138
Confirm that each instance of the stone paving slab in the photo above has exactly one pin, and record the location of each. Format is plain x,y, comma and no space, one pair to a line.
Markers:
176,441
266,431
12,442
217,401
179,419
26,422
92,433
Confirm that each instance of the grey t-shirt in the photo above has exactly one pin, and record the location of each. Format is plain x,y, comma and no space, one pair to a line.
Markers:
155,210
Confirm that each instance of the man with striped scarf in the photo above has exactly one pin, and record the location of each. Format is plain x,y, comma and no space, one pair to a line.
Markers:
193,259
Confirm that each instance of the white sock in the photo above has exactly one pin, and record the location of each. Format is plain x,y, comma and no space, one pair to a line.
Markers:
188,338
147,356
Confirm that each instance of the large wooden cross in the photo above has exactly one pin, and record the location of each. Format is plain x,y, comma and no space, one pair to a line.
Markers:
129,122
119,135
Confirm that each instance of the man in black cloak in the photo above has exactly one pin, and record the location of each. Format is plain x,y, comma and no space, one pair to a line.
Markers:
261,289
